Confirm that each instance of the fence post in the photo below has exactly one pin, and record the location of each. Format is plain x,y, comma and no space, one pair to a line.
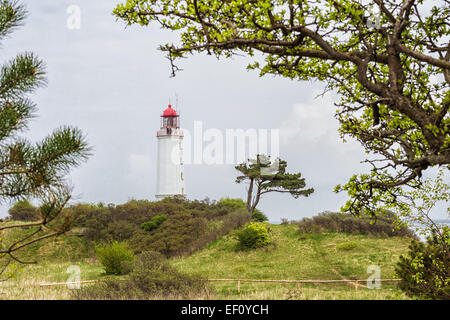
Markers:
239,286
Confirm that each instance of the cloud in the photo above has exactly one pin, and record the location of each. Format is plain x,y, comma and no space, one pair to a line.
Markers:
311,144
312,125
310,121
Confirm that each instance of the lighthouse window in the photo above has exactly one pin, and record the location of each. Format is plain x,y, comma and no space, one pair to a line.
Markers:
170,122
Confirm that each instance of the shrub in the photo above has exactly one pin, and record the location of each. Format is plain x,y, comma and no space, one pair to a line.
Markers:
239,204
152,277
425,269
190,225
120,230
234,220
232,204
109,289
347,245
114,256
253,235
258,216
228,223
173,237
23,210
154,223
383,225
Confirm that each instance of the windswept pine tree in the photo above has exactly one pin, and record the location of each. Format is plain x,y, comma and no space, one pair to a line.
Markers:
27,169
264,175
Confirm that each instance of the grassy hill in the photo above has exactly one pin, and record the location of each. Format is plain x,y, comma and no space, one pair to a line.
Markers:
299,256
292,256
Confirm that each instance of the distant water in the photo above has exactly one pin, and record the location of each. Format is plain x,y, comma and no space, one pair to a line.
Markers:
442,222
274,222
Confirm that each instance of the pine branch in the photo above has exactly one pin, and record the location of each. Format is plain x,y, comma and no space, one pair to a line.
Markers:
11,16
26,169
21,75
15,115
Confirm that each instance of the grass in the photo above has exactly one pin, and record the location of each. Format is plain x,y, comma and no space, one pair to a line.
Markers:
292,256
295,257
53,256
25,285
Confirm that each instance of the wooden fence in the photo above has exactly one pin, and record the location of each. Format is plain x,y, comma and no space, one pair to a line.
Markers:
356,283
298,282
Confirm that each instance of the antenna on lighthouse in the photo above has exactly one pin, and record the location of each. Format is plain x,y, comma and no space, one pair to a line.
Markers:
177,106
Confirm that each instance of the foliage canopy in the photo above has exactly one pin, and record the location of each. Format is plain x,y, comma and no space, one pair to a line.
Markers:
265,176
425,269
388,61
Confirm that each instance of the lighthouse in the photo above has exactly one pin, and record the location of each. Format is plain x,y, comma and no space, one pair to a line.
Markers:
170,169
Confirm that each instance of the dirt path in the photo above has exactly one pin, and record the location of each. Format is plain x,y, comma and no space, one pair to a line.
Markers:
321,255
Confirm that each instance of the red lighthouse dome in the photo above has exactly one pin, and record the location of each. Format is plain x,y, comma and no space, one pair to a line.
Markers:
169,112
169,120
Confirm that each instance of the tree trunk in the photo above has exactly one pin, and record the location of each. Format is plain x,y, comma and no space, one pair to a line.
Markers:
249,195
255,203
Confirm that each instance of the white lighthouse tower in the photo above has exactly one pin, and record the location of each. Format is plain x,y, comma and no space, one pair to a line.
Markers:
170,170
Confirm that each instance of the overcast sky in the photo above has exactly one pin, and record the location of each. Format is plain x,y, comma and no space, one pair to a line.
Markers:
113,83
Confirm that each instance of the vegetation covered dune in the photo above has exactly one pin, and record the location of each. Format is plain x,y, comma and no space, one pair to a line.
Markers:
297,256
307,250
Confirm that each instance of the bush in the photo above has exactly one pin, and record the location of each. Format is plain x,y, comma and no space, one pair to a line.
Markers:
232,204
253,235
108,290
114,257
425,269
173,237
190,225
234,220
154,223
382,226
347,245
228,223
258,216
152,277
24,211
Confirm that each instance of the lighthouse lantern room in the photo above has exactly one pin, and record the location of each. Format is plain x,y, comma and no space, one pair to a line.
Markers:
170,169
